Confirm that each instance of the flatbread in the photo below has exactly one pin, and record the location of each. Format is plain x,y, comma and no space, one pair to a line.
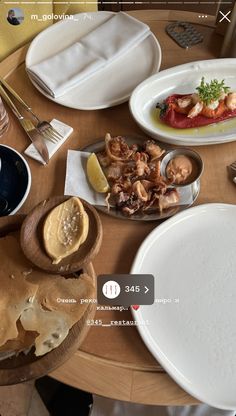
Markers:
65,294
53,327
24,340
56,309
16,291
35,307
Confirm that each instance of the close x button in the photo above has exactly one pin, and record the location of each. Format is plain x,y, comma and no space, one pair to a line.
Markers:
224,16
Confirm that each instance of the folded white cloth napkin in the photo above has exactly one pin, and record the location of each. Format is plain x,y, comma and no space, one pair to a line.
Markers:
75,64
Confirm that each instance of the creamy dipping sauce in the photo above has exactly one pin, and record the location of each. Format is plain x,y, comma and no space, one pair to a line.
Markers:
182,170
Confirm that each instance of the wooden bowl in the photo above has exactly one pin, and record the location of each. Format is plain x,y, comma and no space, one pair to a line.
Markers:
26,367
32,239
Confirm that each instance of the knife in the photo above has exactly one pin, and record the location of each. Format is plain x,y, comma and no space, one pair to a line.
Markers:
232,171
34,135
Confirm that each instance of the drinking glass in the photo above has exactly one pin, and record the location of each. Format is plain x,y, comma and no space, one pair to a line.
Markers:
4,120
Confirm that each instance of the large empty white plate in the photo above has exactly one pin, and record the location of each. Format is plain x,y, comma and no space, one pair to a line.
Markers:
110,86
191,328
183,79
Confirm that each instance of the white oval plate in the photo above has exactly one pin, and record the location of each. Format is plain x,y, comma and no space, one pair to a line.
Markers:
193,335
113,84
183,79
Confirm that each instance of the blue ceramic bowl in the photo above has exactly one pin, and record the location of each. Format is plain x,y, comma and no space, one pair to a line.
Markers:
15,180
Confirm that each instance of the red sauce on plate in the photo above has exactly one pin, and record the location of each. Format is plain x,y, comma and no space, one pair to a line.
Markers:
181,121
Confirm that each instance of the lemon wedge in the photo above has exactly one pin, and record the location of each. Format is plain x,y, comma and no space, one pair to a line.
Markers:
65,229
96,176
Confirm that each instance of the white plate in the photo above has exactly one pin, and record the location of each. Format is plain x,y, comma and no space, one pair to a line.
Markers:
183,79
193,259
113,84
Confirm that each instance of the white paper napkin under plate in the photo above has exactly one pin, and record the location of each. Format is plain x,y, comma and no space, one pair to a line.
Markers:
64,130
76,183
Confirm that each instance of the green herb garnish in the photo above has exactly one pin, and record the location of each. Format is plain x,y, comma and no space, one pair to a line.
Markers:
163,107
209,92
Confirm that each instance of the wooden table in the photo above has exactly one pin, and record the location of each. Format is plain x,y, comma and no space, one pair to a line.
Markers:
113,361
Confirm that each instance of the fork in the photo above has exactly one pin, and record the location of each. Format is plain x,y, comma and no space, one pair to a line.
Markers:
232,170
28,125
43,126
33,133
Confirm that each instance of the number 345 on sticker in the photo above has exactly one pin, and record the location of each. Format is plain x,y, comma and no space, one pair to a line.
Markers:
132,288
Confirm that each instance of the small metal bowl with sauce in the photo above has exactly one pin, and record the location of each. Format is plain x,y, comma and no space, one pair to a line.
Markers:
182,167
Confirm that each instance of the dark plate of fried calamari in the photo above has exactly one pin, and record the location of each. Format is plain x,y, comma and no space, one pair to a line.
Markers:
138,191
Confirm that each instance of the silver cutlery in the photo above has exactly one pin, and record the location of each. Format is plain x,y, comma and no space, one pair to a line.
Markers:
232,171
35,136
43,126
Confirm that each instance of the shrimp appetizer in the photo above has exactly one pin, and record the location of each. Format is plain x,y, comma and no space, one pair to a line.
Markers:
212,103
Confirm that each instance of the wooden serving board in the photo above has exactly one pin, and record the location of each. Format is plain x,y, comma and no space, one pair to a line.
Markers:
26,367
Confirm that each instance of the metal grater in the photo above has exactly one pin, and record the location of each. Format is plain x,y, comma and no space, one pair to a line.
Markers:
184,34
